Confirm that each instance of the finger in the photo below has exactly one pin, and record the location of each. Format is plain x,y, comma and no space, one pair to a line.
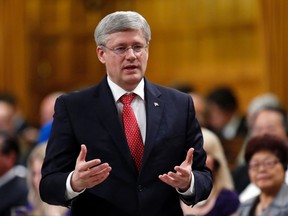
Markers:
189,156
89,164
82,154
181,171
96,170
167,179
98,179
103,171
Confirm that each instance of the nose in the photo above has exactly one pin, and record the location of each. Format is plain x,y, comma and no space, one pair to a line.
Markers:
130,54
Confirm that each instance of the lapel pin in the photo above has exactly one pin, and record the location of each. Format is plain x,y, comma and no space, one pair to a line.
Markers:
156,104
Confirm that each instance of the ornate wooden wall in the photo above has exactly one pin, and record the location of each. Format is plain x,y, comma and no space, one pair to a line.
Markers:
48,46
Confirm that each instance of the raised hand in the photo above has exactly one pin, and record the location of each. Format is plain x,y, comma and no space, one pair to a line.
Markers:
87,174
180,179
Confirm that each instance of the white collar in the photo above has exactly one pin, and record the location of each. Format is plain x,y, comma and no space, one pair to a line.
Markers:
117,91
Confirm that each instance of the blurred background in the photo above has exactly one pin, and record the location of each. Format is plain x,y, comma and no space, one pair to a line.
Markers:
48,46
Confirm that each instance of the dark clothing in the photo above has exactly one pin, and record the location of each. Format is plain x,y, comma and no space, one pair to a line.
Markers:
13,194
90,117
226,204
241,177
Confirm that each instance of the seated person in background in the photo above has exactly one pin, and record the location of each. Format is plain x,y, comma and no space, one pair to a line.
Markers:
268,120
200,107
223,114
13,187
223,200
261,101
13,123
267,158
46,116
224,119
36,206
256,104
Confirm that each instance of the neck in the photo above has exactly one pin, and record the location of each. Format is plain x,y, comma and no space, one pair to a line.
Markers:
266,199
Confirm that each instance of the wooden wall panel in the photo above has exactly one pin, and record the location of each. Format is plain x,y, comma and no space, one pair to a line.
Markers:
274,24
13,52
205,43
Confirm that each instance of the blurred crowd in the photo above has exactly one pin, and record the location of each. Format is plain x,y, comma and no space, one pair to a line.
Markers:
247,154
22,150
255,152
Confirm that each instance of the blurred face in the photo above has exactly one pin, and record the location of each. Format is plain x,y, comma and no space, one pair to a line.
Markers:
217,118
268,122
266,171
6,117
127,69
200,108
210,162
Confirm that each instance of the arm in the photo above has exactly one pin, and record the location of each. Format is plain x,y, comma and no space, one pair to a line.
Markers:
63,157
194,164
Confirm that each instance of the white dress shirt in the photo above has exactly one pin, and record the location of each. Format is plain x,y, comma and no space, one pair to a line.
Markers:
138,104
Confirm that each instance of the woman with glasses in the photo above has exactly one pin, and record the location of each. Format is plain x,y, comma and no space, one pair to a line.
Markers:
267,158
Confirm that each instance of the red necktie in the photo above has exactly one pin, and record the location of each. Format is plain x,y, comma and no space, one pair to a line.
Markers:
132,130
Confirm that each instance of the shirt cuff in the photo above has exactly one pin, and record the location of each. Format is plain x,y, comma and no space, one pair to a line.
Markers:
70,193
190,190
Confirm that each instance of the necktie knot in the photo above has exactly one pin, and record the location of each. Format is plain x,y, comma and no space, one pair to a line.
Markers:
127,98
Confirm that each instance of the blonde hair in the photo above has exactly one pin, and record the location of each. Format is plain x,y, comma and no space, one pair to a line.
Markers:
40,207
222,177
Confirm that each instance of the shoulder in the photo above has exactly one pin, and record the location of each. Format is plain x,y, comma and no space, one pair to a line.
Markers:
282,196
228,197
229,194
166,92
79,94
87,92
245,207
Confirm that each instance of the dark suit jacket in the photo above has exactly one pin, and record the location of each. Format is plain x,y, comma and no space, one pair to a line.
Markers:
90,117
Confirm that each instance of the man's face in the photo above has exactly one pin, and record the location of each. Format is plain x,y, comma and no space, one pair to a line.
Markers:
127,69
217,117
6,117
268,122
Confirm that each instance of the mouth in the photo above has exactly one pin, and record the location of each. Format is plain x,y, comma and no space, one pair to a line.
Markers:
130,67
263,178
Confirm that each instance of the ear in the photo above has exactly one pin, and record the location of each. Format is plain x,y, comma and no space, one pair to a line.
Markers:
100,54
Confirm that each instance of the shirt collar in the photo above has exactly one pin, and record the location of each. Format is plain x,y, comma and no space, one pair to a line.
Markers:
117,91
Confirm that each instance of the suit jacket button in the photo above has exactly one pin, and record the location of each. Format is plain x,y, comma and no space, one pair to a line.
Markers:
139,188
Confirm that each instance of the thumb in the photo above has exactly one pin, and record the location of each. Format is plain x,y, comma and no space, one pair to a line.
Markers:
189,156
82,154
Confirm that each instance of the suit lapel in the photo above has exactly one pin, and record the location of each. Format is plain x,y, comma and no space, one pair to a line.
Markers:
154,111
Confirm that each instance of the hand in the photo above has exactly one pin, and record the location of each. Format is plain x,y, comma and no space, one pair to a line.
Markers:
180,179
87,174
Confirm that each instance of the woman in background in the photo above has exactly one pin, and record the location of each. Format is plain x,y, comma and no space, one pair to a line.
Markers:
36,205
267,158
223,200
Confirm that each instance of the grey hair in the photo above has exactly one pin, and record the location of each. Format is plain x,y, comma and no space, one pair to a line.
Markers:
120,21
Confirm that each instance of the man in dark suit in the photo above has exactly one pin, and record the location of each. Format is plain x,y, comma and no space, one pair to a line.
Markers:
88,164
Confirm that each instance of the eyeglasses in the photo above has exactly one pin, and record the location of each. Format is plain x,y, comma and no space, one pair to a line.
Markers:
266,164
121,50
